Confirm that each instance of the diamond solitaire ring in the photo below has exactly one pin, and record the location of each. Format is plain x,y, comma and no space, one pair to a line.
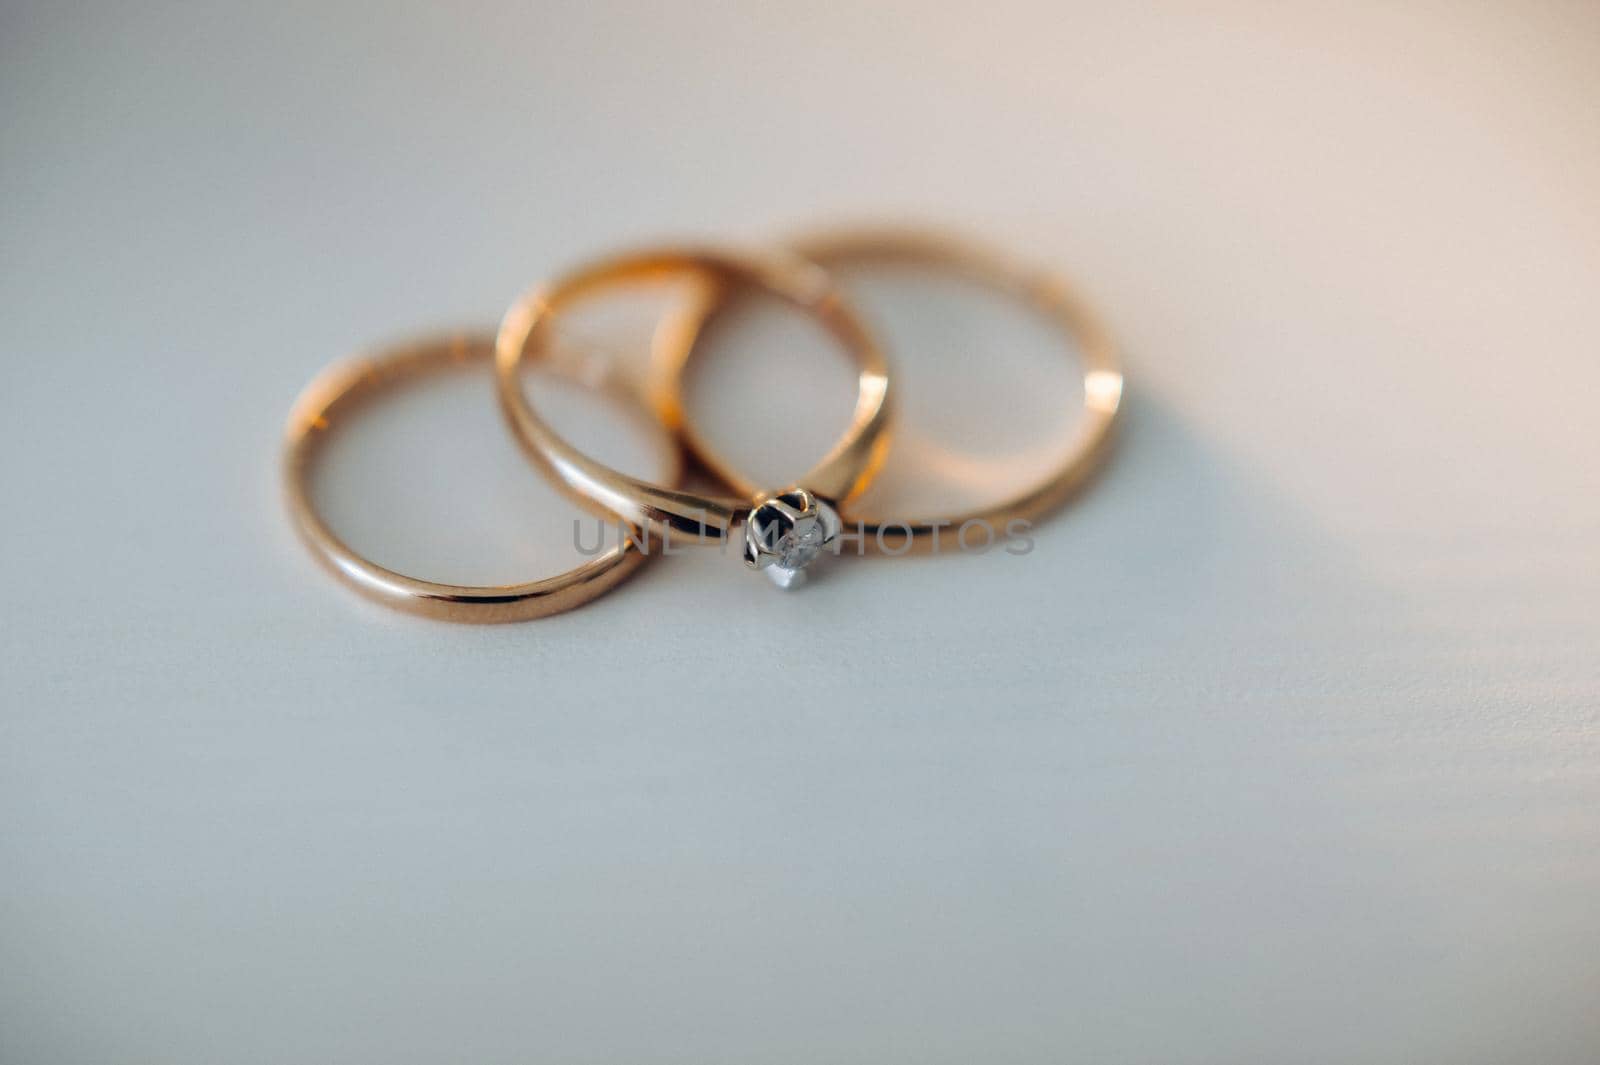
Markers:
784,531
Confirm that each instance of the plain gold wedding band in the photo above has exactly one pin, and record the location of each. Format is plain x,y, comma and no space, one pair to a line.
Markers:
329,399
1038,289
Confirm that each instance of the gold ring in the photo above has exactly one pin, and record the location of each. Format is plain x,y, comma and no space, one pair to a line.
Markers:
1102,374
785,529
334,393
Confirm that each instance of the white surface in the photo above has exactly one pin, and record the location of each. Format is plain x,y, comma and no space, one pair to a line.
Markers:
1282,746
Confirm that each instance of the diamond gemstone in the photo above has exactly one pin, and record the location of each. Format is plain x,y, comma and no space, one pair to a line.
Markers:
801,544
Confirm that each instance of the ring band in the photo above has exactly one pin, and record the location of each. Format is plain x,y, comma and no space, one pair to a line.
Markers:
333,394
1102,374
800,516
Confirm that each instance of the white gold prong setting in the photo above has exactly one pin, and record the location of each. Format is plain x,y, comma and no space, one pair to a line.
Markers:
788,531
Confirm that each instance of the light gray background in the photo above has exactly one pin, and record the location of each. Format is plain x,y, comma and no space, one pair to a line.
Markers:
1281,747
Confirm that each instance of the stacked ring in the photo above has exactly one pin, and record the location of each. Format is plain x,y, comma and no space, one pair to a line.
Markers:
1045,292
785,528
782,529
331,396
